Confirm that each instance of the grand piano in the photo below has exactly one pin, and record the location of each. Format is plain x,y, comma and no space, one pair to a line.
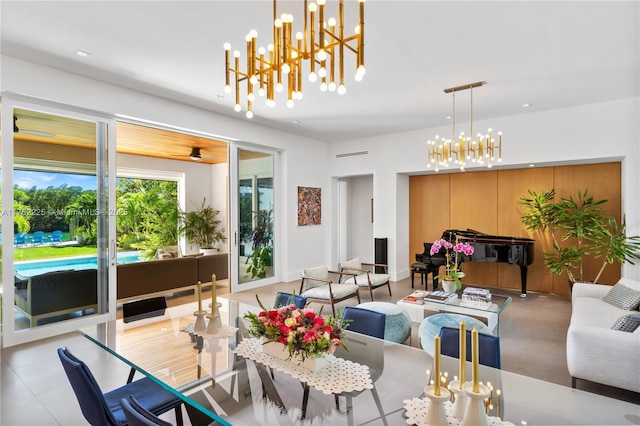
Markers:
487,248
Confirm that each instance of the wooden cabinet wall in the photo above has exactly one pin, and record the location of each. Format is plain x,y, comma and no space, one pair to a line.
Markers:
488,201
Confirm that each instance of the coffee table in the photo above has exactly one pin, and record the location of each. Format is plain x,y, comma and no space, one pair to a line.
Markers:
489,315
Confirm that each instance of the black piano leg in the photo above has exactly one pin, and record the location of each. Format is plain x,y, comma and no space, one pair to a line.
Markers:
523,281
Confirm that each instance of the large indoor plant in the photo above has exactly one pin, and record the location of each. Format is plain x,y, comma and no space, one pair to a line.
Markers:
586,226
202,227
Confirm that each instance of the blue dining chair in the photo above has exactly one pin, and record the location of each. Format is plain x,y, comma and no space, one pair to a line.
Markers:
489,346
104,409
284,299
364,321
137,415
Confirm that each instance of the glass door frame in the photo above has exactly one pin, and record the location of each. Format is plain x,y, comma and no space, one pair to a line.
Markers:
234,196
105,135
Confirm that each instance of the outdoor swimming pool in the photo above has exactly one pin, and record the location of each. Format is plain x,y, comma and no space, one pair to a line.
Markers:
37,267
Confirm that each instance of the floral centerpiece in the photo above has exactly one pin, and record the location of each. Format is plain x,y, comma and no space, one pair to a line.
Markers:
451,254
304,333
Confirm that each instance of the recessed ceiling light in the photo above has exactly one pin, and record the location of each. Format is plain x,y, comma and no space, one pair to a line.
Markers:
527,105
219,97
295,122
448,117
82,53
532,165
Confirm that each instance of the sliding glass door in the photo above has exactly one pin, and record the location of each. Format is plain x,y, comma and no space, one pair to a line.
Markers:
56,226
253,218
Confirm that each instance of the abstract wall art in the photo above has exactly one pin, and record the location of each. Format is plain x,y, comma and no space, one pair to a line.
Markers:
309,206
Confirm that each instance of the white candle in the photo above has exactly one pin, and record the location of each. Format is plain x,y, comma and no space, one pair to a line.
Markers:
213,294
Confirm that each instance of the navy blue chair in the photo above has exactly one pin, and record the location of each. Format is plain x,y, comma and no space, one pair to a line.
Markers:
364,321
104,409
137,415
489,351
284,299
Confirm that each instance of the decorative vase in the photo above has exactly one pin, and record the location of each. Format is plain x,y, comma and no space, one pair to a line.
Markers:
449,286
278,350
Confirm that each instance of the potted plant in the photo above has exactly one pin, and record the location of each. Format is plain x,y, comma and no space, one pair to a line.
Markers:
201,227
451,281
584,223
262,241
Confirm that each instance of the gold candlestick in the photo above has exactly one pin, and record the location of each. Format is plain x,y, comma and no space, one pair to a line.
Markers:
213,293
475,357
436,367
199,296
463,352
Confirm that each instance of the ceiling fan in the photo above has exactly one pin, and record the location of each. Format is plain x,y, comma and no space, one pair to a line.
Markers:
196,155
16,129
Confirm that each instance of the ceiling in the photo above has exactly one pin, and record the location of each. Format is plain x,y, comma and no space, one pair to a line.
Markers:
550,55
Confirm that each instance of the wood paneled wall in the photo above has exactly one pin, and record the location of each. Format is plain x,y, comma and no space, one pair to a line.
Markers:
488,201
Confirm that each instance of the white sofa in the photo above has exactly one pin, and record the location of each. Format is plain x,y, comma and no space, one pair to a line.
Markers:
595,352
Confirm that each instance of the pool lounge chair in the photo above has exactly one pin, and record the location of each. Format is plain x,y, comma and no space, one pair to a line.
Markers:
37,238
20,239
56,237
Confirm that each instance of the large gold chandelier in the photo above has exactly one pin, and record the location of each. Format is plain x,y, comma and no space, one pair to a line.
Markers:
460,149
321,44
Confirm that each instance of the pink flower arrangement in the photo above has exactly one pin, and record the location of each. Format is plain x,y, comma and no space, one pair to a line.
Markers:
301,330
451,254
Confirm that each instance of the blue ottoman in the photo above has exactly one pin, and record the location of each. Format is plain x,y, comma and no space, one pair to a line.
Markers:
397,326
430,328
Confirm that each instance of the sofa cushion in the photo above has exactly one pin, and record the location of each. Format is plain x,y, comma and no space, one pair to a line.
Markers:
623,297
628,323
592,312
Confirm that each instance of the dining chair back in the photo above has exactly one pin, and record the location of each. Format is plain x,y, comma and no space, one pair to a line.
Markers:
103,409
137,415
489,346
364,321
284,299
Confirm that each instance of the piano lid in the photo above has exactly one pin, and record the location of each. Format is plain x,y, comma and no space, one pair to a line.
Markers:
472,235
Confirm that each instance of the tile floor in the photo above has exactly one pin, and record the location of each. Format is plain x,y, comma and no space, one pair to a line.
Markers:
35,390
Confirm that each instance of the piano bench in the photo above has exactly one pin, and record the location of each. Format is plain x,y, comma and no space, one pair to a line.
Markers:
423,269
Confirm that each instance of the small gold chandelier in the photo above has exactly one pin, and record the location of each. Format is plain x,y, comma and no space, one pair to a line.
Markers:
281,64
442,152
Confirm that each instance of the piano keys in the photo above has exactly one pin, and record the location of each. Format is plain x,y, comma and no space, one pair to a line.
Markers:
487,248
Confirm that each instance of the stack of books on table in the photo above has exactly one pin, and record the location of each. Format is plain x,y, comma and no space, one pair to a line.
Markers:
476,297
416,297
440,296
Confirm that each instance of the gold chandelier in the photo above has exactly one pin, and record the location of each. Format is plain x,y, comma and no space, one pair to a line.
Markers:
281,64
443,152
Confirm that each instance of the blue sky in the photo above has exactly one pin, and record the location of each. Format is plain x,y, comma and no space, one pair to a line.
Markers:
26,179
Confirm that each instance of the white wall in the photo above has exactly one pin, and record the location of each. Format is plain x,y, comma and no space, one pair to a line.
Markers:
584,134
302,246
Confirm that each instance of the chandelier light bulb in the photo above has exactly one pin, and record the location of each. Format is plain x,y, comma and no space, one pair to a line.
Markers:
271,103
313,7
357,29
300,96
251,97
323,87
322,72
361,70
332,22
322,55
261,51
299,35
342,89
236,53
227,46
313,77
227,89
285,68
261,92
249,114
253,79
332,86
253,34
277,23
270,47
247,37
290,103
279,87
237,108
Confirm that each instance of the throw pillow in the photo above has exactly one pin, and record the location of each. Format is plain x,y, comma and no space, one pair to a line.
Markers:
622,297
352,264
317,272
627,323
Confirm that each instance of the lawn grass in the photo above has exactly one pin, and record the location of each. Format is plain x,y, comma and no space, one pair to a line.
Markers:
48,252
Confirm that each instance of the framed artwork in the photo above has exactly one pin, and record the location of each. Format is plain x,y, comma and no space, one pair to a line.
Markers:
309,206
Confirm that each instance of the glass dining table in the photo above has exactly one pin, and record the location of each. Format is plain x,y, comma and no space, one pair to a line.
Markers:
223,378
